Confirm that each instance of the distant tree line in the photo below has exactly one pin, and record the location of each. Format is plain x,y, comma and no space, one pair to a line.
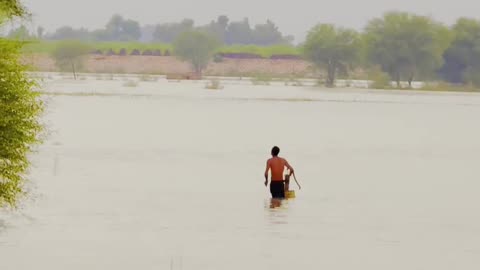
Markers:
117,29
121,29
225,31
401,46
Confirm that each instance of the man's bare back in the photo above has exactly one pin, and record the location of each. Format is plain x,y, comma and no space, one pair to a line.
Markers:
277,165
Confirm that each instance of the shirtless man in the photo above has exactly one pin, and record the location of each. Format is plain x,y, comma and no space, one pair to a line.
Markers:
276,165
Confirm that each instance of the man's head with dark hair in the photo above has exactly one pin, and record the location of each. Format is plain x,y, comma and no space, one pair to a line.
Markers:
275,151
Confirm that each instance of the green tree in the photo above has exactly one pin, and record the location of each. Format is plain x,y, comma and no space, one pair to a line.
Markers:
406,46
332,48
169,32
197,48
217,28
69,33
20,108
267,34
120,29
11,8
70,55
239,33
462,58
20,33
40,32
116,29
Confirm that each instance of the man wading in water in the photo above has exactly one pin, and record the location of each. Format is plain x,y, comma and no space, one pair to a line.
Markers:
277,165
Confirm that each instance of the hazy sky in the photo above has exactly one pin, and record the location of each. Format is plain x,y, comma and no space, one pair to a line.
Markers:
293,17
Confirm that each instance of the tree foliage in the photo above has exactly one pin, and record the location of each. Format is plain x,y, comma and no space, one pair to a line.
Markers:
70,33
332,48
236,32
267,34
239,32
70,55
120,29
20,108
168,32
462,59
217,28
195,47
117,29
11,8
406,46
40,32
20,33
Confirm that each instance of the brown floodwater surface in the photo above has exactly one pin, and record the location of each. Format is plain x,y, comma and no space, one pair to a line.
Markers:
170,176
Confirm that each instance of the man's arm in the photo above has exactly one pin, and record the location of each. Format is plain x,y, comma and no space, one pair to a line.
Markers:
289,167
266,172
292,172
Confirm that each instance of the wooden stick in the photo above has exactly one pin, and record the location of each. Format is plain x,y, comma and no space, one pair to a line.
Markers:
295,178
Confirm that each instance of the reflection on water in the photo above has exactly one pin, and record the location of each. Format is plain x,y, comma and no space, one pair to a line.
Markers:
275,203
281,204
277,212
3,225
130,182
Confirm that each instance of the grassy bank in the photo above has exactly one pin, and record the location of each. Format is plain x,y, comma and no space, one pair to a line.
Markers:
265,52
47,47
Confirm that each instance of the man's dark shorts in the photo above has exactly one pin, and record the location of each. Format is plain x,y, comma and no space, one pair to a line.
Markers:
277,188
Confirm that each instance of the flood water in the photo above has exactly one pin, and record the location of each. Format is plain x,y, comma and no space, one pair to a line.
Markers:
170,176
